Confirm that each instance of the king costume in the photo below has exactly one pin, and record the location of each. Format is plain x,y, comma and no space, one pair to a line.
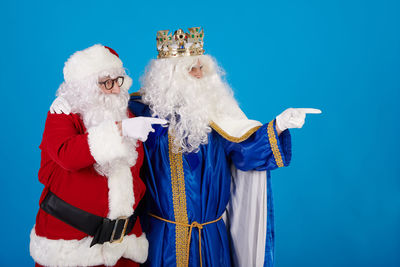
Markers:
212,206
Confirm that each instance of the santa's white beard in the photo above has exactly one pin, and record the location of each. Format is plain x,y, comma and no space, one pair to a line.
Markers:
110,107
94,106
104,107
189,104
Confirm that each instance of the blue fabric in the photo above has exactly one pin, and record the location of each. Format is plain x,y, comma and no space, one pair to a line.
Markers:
207,186
284,144
270,239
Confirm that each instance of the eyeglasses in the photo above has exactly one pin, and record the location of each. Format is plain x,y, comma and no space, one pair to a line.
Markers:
109,84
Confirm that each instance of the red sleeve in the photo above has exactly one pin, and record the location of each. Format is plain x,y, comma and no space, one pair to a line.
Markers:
130,114
66,143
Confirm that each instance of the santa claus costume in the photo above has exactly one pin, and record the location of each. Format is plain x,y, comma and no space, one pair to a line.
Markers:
90,172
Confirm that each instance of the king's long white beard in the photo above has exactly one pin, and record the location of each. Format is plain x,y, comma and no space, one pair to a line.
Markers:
189,104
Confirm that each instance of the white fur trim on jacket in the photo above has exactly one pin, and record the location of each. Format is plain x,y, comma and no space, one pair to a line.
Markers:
75,252
89,61
114,156
105,143
120,190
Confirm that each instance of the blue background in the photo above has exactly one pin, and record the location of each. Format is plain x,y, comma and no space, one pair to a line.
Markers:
338,204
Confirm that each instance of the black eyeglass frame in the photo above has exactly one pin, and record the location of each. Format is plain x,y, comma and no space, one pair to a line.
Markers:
112,82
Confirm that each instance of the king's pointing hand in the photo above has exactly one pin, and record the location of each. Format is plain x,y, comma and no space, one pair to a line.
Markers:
294,117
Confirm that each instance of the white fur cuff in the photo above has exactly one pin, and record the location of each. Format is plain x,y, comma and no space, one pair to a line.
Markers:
49,252
105,143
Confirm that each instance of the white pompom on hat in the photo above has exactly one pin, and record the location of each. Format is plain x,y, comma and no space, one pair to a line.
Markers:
89,61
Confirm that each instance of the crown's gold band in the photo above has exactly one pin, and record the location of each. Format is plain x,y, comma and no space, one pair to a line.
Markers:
180,44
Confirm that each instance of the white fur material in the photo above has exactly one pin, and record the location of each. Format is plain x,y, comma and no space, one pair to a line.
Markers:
62,252
120,190
114,156
105,143
89,61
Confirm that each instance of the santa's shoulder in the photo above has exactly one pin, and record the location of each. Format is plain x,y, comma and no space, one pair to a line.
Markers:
64,122
54,117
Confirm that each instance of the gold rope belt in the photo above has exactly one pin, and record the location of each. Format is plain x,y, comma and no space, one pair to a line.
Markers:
193,224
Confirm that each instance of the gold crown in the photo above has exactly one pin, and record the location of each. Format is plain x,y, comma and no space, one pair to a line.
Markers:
181,43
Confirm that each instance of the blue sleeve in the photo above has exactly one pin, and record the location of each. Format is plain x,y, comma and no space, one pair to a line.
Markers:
137,107
263,150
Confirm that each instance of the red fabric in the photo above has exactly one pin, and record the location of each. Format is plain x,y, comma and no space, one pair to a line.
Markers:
112,51
67,170
120,263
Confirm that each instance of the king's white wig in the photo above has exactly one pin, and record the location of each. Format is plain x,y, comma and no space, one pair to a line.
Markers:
188,103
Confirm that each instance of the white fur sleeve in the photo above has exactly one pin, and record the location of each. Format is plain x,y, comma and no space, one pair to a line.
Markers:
105,143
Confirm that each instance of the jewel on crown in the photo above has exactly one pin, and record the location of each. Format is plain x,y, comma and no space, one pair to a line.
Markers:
180,43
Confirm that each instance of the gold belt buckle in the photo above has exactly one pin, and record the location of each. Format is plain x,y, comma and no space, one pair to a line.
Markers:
119,240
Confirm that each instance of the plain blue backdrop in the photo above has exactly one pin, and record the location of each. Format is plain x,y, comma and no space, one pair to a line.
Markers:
338,204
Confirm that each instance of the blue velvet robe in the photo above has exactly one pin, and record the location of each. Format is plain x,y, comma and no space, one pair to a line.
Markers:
206,193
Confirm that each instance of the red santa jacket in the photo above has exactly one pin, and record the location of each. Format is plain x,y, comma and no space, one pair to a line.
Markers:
71,160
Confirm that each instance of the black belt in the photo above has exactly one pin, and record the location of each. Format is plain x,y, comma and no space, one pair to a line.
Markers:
102,229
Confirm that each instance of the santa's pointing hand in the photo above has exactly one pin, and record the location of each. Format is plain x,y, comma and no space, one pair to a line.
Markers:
139,127
294,117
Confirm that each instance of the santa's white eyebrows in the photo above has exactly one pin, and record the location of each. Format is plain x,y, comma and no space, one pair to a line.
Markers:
104,78
108,77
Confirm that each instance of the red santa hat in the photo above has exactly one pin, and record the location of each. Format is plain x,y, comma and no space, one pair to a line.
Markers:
89,61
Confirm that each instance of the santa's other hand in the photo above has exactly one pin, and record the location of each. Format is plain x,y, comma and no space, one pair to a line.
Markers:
139,127
60,105
294,117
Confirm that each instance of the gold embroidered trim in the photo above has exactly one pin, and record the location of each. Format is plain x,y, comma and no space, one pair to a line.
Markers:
232,138
179,201
274,144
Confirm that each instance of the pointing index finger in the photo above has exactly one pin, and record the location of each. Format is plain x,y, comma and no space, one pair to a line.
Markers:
157,121
310,110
